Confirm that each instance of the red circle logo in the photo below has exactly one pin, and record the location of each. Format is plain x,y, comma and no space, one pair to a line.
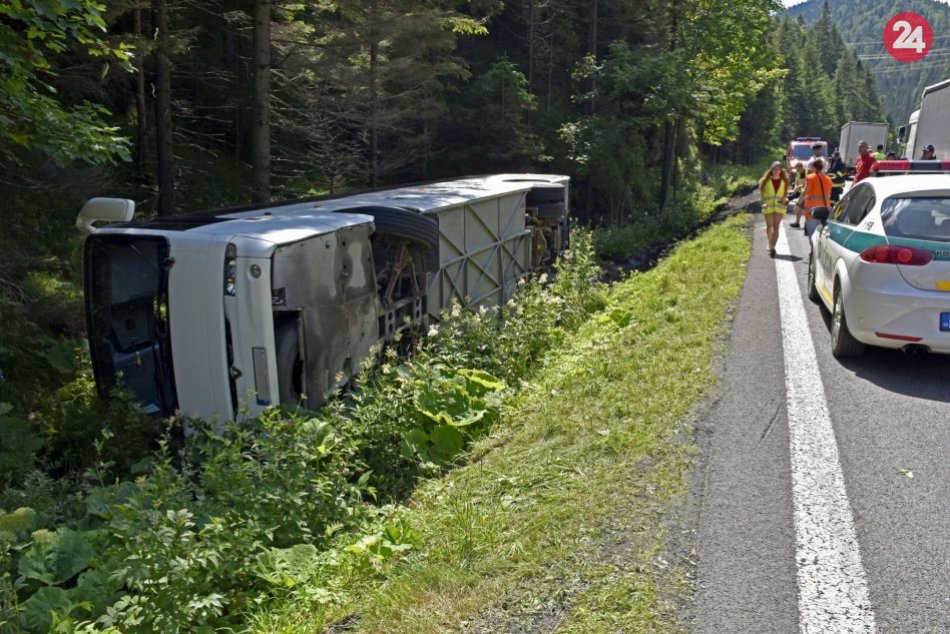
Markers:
908,37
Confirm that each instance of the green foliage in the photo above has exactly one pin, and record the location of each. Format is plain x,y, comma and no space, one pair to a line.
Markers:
22,519
729,61
826,85
713,185
82,431
55,557
633,93
449,411
314,467
488,129
32,115
18,446
32,360
56,609
613,244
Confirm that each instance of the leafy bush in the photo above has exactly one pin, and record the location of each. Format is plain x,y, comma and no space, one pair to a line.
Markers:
389,414
75,422
18,446
222,520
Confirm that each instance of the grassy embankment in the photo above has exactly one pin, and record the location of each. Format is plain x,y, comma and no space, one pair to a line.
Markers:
560,519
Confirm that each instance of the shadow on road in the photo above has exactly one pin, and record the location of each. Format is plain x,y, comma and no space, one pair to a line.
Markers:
922,376
788,257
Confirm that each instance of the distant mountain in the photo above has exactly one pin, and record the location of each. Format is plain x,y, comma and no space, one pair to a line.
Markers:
861,25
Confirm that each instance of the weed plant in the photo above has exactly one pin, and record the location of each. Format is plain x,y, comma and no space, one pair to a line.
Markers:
216,525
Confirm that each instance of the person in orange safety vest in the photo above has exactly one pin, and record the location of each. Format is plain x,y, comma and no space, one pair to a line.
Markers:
817,194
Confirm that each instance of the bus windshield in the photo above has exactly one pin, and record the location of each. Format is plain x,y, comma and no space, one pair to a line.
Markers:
127,317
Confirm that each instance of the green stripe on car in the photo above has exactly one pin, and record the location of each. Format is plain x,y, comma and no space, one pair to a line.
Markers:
857,241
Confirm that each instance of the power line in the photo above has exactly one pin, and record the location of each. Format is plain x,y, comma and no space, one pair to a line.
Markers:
898,69
881,43
939,52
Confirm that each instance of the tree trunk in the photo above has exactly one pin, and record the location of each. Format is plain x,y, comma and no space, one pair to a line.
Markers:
550,70
669,162
592,28
374,113
530,45
671,127
233,60
424,174
591,106
260,137
141,120
679,149
163,113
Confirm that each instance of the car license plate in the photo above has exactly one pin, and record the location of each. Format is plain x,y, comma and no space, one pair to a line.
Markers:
945,322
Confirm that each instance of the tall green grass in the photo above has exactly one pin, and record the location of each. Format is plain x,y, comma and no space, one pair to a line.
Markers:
558,519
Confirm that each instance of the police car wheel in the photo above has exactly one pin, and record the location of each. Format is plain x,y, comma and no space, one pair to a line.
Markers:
812,286
843,344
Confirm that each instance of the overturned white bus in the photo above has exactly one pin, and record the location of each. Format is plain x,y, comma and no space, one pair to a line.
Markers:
223,313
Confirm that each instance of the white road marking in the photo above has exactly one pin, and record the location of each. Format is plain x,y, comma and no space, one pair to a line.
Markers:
832,589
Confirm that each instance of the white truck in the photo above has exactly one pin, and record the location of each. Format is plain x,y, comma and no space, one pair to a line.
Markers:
929,124
221,314
852,133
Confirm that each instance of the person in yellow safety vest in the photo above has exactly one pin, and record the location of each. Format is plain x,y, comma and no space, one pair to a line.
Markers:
773,190
800,175
836,170
878,153
817,194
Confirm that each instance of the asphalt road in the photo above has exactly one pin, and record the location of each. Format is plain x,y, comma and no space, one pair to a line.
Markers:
819,502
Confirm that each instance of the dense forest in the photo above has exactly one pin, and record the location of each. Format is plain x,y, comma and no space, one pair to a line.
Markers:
861,24
184,105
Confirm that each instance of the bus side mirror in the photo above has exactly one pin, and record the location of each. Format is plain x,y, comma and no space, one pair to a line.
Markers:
900,133
104,210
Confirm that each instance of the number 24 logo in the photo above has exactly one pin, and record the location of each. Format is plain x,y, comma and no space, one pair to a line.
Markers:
911,37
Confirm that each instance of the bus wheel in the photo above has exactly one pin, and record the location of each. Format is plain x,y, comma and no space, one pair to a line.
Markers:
289,362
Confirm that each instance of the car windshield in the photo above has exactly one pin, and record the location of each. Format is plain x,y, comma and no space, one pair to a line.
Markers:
801,151
922,218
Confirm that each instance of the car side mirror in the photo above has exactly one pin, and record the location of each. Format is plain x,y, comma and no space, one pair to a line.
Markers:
820,214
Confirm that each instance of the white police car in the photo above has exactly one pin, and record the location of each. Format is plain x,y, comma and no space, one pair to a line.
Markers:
881,262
